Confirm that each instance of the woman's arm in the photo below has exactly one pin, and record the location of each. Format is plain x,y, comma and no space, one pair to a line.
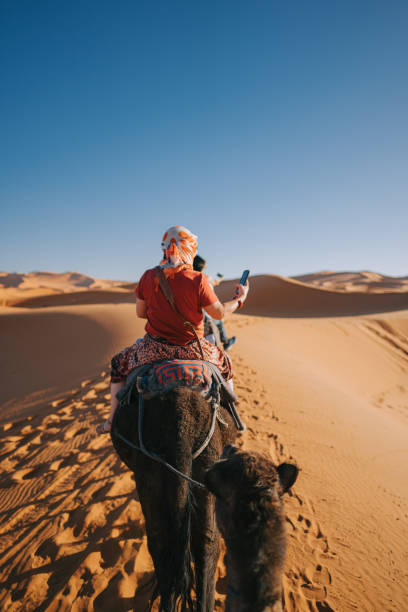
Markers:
141,308
218,311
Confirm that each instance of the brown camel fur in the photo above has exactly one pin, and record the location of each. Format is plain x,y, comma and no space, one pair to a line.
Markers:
182,534
250,516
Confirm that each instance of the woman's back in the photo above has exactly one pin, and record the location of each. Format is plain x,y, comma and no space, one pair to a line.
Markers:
191,292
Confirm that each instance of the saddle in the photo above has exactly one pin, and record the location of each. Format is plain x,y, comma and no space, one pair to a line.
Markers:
203,377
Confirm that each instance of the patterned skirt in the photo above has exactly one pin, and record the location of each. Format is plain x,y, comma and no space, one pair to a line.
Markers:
148,349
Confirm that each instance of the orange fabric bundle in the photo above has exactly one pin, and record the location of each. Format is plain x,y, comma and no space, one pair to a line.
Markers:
179,248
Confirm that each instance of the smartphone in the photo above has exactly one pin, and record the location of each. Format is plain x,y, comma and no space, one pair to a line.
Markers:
243,280
244,277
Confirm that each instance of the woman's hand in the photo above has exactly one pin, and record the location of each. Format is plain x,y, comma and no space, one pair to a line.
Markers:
241,292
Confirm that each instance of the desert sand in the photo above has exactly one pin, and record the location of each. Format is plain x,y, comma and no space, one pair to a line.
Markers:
321,365
372,282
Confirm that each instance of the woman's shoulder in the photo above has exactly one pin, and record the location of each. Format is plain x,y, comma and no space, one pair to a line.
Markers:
192,275
147,279
147,274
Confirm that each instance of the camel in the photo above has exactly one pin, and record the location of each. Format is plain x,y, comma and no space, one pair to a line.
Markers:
182,534
250,515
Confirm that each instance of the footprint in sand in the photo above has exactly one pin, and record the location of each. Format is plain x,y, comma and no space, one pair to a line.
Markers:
306,524
101,386
47,550
306,588
91,395
86,383
75,432
315,592
321,575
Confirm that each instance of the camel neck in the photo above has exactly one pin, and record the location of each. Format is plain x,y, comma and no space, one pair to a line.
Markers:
254,569
253,591
236,603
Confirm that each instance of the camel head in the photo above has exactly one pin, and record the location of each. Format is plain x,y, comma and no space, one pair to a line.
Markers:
240,478
249,488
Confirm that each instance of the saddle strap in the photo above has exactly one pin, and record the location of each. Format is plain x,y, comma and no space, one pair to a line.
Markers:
168,294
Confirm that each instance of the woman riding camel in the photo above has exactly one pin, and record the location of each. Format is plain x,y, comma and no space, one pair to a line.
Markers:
167,336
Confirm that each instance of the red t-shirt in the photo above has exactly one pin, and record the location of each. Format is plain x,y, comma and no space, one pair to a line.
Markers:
192,292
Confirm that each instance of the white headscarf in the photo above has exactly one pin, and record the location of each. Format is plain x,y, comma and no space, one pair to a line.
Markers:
179,248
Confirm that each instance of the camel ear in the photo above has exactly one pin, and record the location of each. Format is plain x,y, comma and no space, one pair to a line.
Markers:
228,451
288,472
213,483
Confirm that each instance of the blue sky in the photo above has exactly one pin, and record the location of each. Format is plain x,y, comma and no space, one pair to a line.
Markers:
274,130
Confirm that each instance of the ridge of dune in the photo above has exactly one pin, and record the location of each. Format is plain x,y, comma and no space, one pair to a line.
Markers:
40,299
53,280
270,295
30,288
371,282
273,295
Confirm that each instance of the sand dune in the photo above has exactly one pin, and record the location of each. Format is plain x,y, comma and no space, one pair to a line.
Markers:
370,282
330,392
47,351
273,295
41,299
38,289
69,281
270,295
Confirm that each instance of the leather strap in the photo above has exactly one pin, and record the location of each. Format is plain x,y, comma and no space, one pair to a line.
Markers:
168,294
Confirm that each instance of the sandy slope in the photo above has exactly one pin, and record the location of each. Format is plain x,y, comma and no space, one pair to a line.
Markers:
57,289
47,351
370,282
55,283
330,392
277,296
